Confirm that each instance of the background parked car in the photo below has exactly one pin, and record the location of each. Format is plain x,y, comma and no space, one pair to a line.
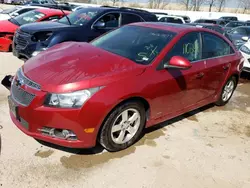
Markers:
185,18
229,18
82,25
15,11
159,15
172,19
233,24
213,27
8,27
245,50
239,35
211,21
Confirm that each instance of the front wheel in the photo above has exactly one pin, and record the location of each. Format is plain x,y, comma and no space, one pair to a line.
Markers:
123,126
227,91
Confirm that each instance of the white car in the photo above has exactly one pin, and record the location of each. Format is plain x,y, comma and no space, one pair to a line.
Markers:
15,11
245,50
172,19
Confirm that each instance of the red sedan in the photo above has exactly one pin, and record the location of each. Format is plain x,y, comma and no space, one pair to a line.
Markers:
76,94
8,27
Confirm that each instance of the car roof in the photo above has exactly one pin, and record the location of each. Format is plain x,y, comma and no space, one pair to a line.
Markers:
50,11
204,24
176,28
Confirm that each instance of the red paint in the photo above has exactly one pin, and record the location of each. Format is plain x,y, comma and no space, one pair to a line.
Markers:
75,66
8,28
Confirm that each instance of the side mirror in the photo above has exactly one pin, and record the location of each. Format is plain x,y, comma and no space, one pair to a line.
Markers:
245,39
99,25
178,62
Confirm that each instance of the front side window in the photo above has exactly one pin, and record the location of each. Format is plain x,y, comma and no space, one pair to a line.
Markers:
28,17
188,47
110,20
214,46
80,17
130,18
139,44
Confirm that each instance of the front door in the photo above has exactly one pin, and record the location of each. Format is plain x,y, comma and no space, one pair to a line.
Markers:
183,88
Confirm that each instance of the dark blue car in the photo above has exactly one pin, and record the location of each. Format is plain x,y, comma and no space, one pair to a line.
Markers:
82,25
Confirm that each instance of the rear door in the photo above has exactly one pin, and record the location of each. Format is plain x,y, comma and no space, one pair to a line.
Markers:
218,56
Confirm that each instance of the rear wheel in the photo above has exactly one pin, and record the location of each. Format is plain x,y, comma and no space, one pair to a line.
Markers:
227,91
123,126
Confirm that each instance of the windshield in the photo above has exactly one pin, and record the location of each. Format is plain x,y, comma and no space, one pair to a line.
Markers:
235,24
139,44
28,17
80,17
8,11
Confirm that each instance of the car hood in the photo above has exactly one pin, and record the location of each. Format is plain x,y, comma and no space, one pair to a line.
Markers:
43,26
4,16
72,66
7,26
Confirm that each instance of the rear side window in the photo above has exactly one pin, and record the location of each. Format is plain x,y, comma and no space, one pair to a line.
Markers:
188,47
24,10
214,46
130,18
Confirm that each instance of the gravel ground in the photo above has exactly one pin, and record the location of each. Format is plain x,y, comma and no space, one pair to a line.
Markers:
206,148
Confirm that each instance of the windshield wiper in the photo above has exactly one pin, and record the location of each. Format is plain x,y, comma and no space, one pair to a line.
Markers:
64,13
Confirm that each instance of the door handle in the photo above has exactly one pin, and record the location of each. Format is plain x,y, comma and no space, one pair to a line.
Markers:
200,75
226,67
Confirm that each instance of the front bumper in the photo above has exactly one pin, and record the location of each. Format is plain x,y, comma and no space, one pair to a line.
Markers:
246,65
32,118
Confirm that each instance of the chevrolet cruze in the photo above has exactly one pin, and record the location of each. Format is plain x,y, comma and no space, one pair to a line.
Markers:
109,90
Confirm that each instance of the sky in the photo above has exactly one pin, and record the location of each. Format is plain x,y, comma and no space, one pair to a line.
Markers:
229,3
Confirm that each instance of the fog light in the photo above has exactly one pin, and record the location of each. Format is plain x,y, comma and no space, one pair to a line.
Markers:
58,133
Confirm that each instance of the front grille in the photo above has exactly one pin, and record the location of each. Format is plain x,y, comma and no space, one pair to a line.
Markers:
20,95
20,40
26,81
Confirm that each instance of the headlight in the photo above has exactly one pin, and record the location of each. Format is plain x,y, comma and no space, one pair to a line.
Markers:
70,100
245,49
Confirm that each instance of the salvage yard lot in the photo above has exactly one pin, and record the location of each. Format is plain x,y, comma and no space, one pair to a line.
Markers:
206,148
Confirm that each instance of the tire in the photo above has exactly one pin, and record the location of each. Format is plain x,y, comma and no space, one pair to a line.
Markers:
109,136
224,100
